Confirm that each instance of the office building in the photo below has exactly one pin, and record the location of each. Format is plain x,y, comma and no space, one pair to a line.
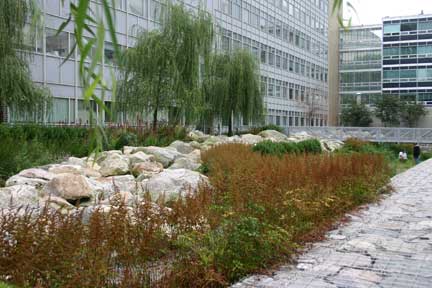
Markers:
360,64
288,37
407,58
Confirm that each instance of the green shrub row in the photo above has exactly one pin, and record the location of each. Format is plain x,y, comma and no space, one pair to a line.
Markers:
280,148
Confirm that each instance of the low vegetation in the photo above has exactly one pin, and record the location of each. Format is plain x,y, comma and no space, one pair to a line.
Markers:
257,212
281,148
26,146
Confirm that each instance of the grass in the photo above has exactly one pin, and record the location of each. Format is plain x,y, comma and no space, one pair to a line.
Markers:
258,210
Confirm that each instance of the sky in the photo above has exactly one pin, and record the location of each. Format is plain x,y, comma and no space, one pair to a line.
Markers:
372,11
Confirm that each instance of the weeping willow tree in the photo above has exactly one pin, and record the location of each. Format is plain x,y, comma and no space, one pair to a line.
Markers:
17,89
231,89
162,71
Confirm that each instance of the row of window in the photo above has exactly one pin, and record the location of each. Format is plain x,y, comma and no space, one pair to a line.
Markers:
360,77
360,38
408,50
360,56
419,74
273,57
271,87
293,121
364,98
407,27
243,11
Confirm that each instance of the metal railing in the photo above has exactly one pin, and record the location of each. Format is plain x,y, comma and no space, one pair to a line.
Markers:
373,134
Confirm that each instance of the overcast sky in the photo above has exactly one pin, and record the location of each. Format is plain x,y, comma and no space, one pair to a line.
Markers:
372,11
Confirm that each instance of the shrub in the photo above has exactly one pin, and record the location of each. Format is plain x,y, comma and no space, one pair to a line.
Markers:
280,148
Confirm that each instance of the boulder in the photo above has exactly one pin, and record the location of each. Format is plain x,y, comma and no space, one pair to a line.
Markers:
173,182
114,164
104,155
330,145
251,139
20,180
126,198
195,156
66,169
56,203
185,163
89,172
18,196
127,150
36,173
182,147
69,186
273,135
76,161
147,169
197,136
105,187
164,156
195,145
140,157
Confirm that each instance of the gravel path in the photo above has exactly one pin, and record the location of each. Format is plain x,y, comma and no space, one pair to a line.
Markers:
386,245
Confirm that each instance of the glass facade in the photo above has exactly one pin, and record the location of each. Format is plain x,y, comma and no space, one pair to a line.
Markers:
289,38
407,57
360,64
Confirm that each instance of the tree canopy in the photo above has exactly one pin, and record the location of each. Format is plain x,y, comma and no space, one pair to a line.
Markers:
411,113
17,89
231,89
163,69
388,110
356,115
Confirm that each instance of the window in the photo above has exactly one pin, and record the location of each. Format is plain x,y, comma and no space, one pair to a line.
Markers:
236,9
392,28
60,111
425,25
408,26
57,45
109,52
156,11
136,7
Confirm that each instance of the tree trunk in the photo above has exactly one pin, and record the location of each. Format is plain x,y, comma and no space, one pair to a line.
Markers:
155,119
230,125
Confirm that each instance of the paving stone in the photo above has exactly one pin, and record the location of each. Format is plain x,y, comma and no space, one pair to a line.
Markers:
388,244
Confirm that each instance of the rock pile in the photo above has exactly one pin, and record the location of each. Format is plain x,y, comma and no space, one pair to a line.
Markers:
126,175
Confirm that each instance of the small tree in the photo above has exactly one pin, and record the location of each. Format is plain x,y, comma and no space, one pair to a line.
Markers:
356,115
162,71
412,112
388,110
232,88
17,89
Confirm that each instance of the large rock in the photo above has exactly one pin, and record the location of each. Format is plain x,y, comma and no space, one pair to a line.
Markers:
127,150
165,156
76,161
331,145
69,187
182,147
197,136
20,180
105,187
172,183
100,157
66,169
273,135
114,164
140,157
56,203
185,163
146,170
18,196
251,139
36,173
125,198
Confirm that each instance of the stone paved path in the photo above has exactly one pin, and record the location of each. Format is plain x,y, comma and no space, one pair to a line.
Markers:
387,245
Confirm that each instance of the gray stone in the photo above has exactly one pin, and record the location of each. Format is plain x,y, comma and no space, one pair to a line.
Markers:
69,187
140,157
146,169
18,196
182,147
251,139
164,156
273,135
20,180
185,163
172,183
36,173
114,164
197,136
69,169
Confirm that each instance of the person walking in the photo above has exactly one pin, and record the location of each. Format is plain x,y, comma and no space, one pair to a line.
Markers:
416,153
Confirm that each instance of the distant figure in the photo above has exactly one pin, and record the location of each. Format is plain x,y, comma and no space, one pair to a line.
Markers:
403,156
416,153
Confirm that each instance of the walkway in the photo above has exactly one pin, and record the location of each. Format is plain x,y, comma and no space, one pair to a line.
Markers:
387,245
